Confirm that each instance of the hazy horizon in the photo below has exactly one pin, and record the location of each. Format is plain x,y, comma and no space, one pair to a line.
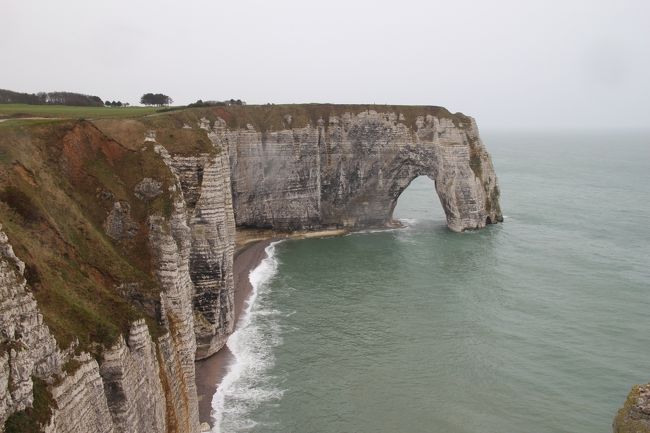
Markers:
570,65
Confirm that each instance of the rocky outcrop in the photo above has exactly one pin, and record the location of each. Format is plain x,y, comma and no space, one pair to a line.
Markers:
127,391
171,243
81,404
27,349
205,188
349,170
119,224
634,416
148,189
130,372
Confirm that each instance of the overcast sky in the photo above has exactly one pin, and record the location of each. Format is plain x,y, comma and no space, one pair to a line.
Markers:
509,63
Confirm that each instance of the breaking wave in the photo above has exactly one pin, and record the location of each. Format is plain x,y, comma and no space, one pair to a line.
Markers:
247,385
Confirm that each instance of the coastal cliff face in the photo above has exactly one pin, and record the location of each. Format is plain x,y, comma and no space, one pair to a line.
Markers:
28,348
141,236
205,186
117,240
348,170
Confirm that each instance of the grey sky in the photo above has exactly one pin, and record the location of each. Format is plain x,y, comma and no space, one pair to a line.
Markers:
509,63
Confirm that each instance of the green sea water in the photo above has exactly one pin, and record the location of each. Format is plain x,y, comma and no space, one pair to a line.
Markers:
539,324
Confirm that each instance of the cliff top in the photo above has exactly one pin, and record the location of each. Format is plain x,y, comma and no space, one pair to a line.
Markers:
261,117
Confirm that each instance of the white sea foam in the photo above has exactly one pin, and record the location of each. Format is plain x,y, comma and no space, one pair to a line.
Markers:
247,384
369,231
408,221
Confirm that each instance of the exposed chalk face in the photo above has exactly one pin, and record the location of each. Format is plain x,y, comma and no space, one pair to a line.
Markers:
207,202
349,170
28,347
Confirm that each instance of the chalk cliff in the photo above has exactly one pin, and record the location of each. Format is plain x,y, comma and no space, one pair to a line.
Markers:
144,252
348,169
117,239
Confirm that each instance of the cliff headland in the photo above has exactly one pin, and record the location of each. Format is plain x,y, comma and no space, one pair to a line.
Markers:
118,235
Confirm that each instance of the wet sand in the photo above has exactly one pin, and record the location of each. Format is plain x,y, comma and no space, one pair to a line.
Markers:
210,371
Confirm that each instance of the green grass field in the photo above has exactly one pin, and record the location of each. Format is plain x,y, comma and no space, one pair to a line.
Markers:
68,112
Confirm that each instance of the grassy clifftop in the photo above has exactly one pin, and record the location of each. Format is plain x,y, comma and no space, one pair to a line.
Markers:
284,116
262,117
64,111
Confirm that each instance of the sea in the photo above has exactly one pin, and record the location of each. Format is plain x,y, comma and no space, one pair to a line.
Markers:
540,324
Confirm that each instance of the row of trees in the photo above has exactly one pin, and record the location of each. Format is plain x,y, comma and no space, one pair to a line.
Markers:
201,103
155,99
116,104
42,98
79,99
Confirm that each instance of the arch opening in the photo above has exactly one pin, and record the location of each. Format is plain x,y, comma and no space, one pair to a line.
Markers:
419,201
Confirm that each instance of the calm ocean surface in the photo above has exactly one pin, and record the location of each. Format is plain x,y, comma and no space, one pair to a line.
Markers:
540,324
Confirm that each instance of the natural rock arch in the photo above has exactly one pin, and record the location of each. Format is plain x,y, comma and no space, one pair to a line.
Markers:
395,203
348,170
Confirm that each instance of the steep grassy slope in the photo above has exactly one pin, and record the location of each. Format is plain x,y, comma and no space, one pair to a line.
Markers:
58,182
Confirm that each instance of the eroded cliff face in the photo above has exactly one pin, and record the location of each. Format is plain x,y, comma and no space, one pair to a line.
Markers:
28,348
126,229
348,170
180,211
205,188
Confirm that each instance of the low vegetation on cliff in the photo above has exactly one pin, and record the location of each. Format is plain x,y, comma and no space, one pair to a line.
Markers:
59,179
59,182
31,419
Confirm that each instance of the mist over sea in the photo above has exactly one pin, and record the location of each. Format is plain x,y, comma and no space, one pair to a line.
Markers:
540,324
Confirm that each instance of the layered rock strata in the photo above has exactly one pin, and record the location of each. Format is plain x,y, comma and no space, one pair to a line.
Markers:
81,404
349,170
27,348
206,192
